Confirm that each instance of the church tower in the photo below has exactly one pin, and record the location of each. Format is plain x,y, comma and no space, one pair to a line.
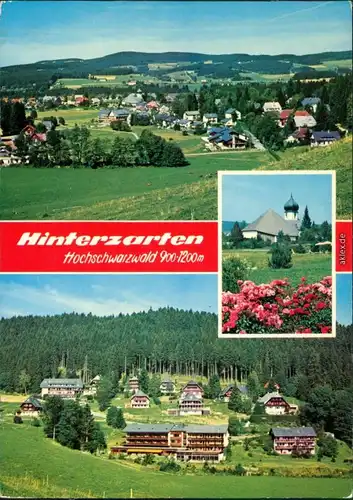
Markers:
291,209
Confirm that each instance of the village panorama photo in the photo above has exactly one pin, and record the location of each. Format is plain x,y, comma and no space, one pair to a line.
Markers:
117,386
276,273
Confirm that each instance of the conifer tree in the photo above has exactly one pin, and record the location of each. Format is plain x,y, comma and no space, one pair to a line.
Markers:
306,222
144,381
235,402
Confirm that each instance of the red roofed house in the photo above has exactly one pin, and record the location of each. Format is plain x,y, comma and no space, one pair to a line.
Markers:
301,118
79,100
30,131
152,105
285,114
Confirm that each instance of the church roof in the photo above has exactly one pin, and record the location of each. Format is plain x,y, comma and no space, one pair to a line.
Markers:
272,223
291,205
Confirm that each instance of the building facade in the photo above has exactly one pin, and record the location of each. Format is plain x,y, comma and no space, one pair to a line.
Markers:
31,407
139,400
301,440
133,384
193,388
167,387
182,442
68,388
275,404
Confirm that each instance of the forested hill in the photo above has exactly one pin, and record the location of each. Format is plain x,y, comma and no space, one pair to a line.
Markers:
183,342
144,58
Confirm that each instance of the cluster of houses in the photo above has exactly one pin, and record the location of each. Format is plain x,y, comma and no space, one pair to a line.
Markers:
304,123
185,442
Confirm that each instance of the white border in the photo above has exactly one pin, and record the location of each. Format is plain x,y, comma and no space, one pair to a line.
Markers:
332,173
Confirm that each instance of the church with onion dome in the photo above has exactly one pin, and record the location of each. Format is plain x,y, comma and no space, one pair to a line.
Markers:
269,224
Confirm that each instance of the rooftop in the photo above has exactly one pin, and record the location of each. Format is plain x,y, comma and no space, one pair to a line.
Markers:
164,428
272,223
293,432
62,382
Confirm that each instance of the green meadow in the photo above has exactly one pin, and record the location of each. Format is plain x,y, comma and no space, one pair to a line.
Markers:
152,193
126,194
313,266
35,466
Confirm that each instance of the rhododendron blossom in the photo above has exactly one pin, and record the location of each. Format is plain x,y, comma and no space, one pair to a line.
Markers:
277,307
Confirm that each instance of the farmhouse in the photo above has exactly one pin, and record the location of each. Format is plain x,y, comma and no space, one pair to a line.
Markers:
324,138
91,388
304,119
226,393
8,158
273,107
275,404
179,441
301,118
133,384
210,118
67,388
32,134
193,388
140,400
133,100
31,407
269,224
167,387
191,115
225,138
153,105
232,112
293,439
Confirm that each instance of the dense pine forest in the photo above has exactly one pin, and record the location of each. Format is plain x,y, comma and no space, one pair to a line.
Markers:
160,341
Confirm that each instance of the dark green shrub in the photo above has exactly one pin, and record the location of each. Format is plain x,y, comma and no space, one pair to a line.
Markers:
35,422
281,257
299,248
233,269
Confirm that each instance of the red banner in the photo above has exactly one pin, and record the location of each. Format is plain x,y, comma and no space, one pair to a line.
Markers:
344,246
81,247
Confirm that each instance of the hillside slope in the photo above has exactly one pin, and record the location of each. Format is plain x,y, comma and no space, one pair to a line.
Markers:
336,157
198,201
37,467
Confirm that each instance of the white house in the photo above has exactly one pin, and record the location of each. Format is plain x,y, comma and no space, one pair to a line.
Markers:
191,115
274,107
231,112
210,118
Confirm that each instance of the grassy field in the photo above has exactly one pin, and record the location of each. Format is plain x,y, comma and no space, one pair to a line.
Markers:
153,193
126,194
32,465
336,157
313,266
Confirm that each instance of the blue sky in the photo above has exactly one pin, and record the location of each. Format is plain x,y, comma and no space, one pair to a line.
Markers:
246,197
104,295
32,31
344,298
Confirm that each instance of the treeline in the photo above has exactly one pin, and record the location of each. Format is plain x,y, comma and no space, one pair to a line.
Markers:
75,148
165,340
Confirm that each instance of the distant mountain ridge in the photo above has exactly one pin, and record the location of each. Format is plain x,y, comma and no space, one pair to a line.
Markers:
144,58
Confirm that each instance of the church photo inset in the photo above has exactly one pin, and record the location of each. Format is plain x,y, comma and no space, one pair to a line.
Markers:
276,266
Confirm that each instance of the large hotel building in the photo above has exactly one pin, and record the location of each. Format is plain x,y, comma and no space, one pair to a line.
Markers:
180,441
